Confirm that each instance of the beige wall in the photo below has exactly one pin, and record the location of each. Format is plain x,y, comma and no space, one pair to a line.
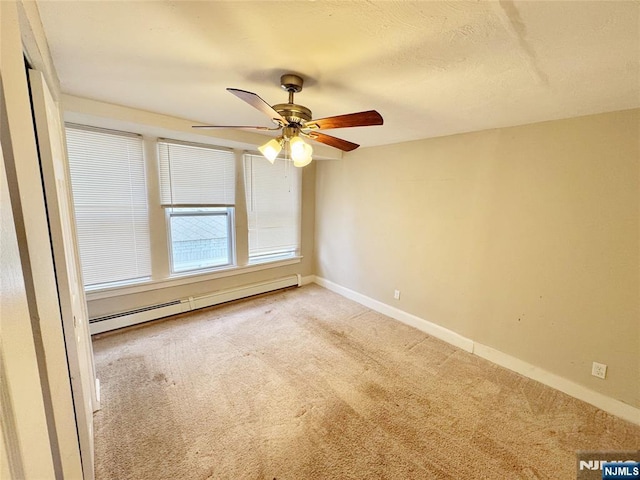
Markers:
524,239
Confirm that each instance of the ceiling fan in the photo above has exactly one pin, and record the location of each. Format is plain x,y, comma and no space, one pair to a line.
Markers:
296,122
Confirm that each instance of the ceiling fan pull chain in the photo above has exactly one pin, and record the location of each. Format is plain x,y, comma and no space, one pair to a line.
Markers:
170,176
252,200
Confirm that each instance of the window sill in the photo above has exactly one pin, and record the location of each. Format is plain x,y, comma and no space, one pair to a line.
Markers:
187,278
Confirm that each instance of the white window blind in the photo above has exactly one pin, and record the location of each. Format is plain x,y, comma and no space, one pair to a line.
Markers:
273,207
110,201
196,175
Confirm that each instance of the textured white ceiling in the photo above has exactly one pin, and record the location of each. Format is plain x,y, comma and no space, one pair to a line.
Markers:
430,68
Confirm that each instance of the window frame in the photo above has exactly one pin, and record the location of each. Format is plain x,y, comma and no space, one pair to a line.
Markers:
228,212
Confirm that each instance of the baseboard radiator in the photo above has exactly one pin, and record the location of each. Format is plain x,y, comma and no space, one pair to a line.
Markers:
154,312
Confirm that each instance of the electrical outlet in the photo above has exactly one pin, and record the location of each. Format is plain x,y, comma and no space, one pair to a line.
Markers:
599,370
396,294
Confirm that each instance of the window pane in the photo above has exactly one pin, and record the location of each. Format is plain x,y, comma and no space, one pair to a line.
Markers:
199,240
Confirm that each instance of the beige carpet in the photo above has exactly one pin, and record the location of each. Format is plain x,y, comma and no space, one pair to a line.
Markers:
305,384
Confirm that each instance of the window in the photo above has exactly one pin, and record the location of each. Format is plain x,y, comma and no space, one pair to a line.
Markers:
200,238
197,184
110,201
119,210
273,208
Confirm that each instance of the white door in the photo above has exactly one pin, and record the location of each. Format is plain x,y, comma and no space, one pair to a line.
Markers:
68,274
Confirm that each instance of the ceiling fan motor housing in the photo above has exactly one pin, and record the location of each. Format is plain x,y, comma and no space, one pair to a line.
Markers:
295,114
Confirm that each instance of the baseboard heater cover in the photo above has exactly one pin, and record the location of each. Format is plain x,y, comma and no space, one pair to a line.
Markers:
154,312
133,312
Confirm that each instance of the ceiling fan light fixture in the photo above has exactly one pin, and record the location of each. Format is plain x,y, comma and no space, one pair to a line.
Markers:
300,152
271,149
302,163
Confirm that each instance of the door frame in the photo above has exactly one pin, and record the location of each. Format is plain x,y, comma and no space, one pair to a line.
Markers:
62,231
46,438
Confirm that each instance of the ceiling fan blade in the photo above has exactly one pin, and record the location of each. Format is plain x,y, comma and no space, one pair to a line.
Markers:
339,143
360,119
234,126
258,103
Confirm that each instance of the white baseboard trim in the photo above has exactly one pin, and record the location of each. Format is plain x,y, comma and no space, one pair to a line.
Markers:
421,324
97,405
306,280
599,400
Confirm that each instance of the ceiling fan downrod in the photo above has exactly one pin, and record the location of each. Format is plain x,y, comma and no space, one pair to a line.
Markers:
296,115
292,84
